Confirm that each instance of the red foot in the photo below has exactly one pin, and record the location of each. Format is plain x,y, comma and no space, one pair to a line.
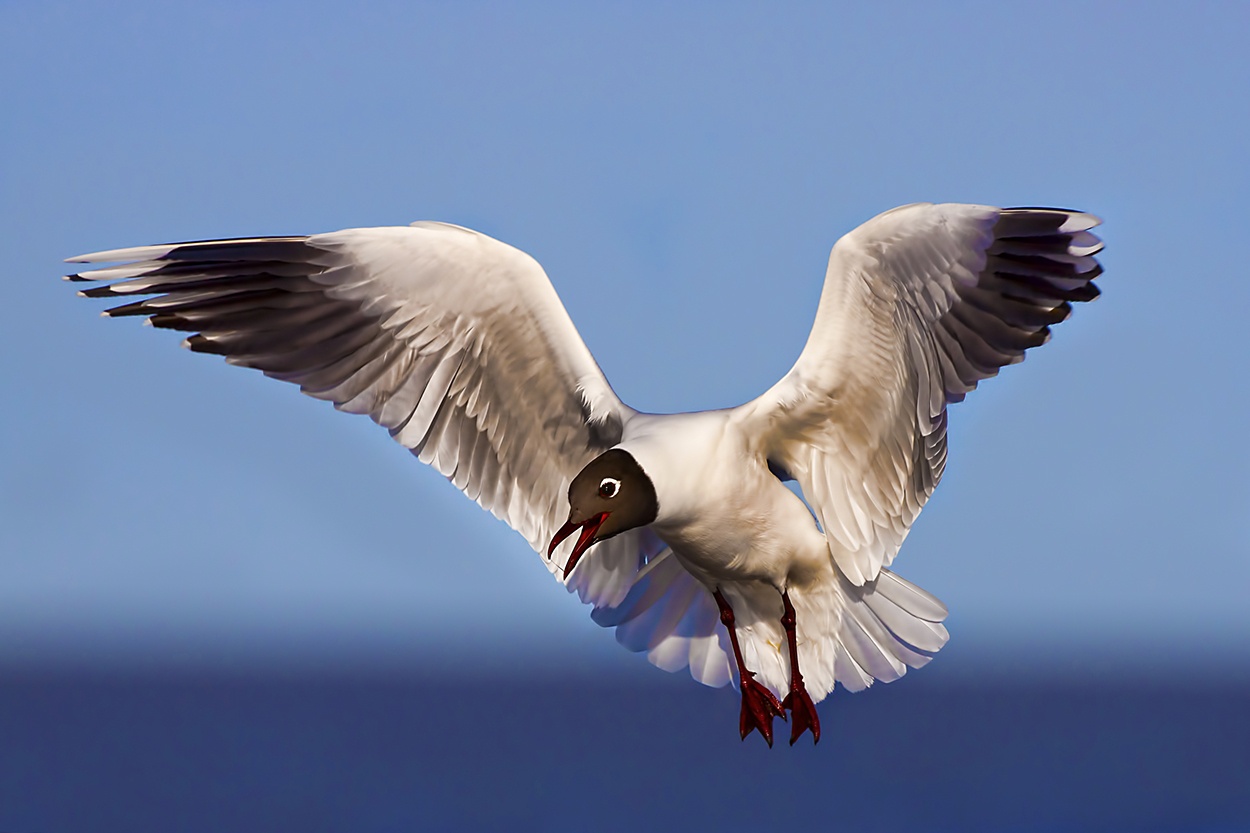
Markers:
803,710
759,707
798,701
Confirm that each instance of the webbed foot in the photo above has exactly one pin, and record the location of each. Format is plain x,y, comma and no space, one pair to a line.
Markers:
759,707
803,712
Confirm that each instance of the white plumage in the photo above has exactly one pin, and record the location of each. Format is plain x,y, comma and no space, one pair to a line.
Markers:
459,346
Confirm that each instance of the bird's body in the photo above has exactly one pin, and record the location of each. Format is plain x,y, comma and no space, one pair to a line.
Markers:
696,550
725,515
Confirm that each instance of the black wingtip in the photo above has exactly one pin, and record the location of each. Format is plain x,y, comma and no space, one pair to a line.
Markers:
199,344
98,292
170,321
133,308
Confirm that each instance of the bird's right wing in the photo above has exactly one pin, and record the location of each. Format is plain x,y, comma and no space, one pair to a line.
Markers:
454,342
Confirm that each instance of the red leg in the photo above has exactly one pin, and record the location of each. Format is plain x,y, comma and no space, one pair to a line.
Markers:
759,706
798,701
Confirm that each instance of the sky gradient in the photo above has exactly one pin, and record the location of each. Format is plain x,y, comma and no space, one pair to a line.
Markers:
681,173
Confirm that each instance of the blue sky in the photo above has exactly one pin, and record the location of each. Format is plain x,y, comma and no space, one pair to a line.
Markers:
681,172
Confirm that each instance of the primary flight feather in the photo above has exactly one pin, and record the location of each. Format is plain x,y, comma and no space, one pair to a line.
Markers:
687,542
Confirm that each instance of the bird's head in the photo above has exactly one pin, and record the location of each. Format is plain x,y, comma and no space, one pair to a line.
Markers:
610,495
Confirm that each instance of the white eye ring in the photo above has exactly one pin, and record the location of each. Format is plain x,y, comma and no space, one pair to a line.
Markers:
609,487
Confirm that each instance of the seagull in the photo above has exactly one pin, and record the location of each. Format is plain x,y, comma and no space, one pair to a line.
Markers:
688,541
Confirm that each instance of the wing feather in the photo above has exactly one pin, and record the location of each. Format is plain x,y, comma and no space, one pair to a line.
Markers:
671,617
920,304
454,342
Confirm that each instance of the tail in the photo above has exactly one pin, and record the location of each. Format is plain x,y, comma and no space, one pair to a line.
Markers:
846,634
884,627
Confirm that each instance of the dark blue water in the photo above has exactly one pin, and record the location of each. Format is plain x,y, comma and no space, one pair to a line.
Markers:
96,751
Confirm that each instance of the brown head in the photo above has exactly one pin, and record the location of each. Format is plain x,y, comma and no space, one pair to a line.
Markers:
610,495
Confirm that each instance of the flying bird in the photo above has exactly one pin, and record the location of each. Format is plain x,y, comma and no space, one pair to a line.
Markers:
677,528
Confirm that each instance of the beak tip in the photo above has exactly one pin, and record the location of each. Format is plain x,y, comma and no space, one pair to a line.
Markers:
589,529
564,532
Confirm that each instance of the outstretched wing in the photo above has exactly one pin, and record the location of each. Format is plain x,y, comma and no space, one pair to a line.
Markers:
454,342
919,304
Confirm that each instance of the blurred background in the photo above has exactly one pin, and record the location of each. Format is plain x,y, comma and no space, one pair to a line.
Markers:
226,606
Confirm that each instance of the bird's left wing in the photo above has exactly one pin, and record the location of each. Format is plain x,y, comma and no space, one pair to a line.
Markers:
919,304
454,342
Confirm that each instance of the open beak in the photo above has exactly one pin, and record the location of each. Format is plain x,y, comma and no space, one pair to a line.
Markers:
589,528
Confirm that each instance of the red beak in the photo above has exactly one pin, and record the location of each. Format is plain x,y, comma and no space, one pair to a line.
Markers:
589,528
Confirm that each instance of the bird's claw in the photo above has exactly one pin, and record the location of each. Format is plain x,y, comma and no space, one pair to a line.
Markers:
803,710
759,707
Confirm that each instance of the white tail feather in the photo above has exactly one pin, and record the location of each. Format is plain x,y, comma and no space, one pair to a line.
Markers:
846,634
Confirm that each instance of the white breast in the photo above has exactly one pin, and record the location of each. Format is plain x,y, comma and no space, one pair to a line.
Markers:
726,516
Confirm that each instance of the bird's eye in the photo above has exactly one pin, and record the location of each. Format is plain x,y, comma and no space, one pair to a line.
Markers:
609,487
